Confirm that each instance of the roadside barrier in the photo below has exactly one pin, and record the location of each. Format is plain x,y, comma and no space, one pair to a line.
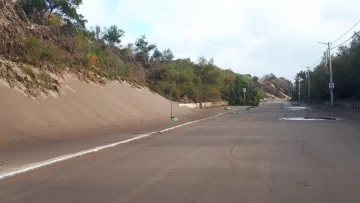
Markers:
348,104
205,105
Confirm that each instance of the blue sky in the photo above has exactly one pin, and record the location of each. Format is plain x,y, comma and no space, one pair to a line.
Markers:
255,37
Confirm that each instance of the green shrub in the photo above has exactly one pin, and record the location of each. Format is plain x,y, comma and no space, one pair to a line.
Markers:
37,51
127,70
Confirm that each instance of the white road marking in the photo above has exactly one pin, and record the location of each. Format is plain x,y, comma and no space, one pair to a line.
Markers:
96,149
306,119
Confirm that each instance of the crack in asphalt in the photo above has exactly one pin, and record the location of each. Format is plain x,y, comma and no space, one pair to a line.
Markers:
235,166
304,149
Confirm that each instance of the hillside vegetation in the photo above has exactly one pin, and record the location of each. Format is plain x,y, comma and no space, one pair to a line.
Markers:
346,75
43,40
275,87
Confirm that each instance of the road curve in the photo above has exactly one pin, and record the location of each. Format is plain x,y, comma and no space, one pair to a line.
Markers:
244,156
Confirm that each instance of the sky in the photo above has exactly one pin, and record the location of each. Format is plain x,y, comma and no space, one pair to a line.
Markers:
248,36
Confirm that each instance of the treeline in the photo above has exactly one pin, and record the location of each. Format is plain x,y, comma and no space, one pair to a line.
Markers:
98,54
203,81
346,75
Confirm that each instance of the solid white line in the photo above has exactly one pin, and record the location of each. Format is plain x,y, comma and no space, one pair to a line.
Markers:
96,149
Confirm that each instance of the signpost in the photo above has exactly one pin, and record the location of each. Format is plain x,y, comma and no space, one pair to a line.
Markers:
331,85
244,91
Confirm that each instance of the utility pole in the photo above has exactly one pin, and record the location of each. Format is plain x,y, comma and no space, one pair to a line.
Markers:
331,77
309,85
331,84
171,111
299,87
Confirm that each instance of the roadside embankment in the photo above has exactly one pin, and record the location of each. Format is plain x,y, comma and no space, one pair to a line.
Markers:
83,116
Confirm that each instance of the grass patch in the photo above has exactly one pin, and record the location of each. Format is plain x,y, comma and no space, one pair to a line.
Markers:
28,71
37,51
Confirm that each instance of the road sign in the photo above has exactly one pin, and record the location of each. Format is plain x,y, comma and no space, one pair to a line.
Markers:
244,90
331,85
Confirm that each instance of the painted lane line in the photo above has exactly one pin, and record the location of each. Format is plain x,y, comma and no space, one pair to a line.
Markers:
96,149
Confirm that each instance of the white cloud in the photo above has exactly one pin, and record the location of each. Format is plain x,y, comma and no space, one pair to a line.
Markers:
255,37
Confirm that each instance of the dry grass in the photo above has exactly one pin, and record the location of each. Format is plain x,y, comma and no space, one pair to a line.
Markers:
32,81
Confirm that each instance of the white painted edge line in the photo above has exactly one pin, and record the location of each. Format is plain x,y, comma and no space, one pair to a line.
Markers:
303,119
96,149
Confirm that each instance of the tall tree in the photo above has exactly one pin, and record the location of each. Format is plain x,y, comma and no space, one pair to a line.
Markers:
143,47
113,35
346,75
167,55
40,10
157,55
96,32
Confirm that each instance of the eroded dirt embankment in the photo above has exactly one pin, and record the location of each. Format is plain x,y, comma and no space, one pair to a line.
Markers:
82,110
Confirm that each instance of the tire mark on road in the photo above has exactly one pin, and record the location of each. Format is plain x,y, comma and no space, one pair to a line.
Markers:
235,166
162,174
349,174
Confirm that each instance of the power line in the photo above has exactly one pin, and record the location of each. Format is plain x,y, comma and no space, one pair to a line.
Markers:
345,33
316,64
346,40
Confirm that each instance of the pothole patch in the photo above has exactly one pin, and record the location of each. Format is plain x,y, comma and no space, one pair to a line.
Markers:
309,119
304,184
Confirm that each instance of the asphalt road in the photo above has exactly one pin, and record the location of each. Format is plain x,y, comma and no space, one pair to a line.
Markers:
243,156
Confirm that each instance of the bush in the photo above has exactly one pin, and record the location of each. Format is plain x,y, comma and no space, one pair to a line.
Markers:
37,51
54,21
93,60
127,70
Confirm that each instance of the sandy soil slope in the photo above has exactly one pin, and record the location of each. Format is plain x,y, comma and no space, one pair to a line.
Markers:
82,110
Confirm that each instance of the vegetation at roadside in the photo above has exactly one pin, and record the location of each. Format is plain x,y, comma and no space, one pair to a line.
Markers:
61,42
346,75
274,85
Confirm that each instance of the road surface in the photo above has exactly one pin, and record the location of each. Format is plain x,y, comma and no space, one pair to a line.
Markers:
242,156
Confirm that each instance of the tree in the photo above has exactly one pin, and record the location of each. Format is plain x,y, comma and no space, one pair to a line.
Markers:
130,46
96,32
157,55
211,61
143,48
269,77
113,35
40,10
167,55
202,61
346,72
253,93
